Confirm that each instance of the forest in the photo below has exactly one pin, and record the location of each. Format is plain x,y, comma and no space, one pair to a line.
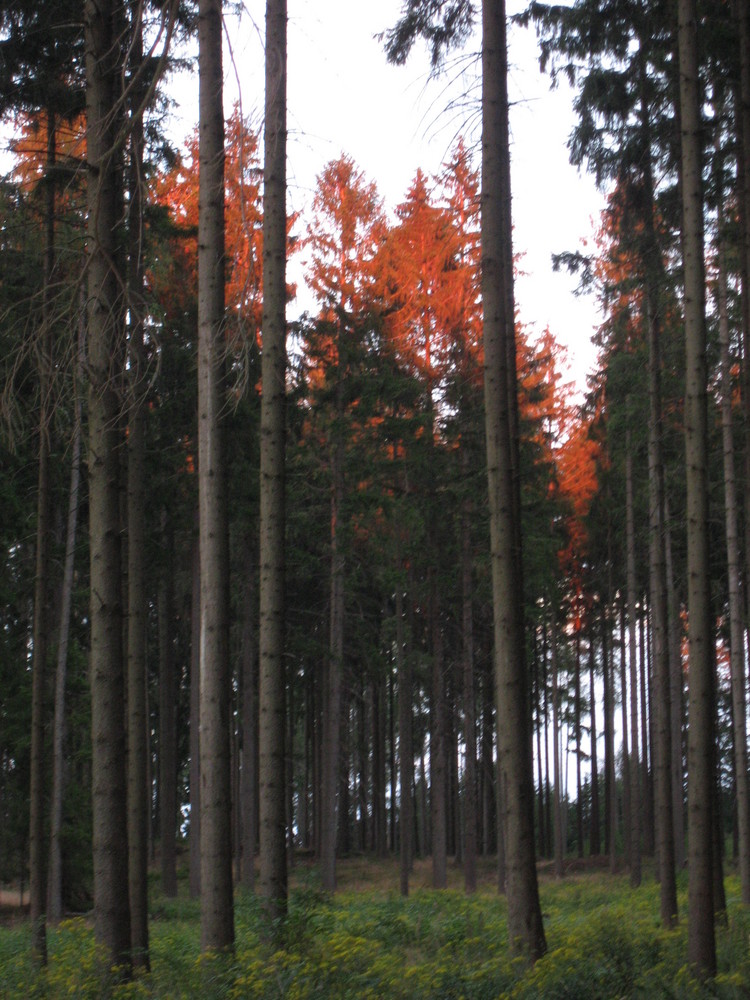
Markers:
356,653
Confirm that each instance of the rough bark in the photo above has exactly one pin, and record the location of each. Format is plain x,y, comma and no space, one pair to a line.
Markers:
736,628
41,621
273,871
137,701
167,725
54,879
701,932
469,699
634,769
217,915
249,772
525,930
111,907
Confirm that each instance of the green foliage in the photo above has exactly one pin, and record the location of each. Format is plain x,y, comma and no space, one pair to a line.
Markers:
605,941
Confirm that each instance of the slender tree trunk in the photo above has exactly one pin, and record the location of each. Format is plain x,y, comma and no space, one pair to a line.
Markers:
195,747
556,762
217,916
139,799
167,723
579,750
701,934
109,787
332,704
249,771
438,754
595,835
525,929
736,629
646,742
469,699
273,870
674,642
633,771
55,876
405,749
41,622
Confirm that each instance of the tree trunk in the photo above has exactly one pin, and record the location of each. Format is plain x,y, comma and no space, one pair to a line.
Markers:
438,755
469,698
273,871
109,788
556,762
195,746
633,771
525,930
249,772
701,935
41,622
405,749
332,703
54,881
736,628
595,841
167,723
217,915
139,798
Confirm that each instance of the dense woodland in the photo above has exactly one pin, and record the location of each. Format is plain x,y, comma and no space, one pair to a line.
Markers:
376,580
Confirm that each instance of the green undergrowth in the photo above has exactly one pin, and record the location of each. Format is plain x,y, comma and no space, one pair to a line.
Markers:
604,942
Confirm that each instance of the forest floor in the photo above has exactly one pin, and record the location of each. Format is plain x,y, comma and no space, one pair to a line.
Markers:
369,943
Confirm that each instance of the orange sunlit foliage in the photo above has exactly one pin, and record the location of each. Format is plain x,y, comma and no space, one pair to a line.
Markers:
346,231
30,148
175,279
429,280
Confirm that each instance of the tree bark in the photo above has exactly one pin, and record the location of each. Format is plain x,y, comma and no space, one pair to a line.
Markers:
111,906
41,622
634,769
217,914
167,723
249,772
736,628
273,871
701,772
139,799
55,875
525,930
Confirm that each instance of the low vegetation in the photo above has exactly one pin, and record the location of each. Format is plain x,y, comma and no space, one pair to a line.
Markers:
605,941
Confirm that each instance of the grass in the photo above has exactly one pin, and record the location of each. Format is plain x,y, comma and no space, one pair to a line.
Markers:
603,937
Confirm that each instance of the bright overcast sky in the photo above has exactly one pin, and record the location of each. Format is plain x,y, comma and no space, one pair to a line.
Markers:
344,98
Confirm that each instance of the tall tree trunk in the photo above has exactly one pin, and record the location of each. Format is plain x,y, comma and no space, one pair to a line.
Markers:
195,745
736,628
579,750
674,643
525,929
41,622
633,771
646,742
701,771
55,875
217,915
556,762
273,871
595,840
332,703
167,722
139,798
469,698
438,749
111,907
405,749
249,772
